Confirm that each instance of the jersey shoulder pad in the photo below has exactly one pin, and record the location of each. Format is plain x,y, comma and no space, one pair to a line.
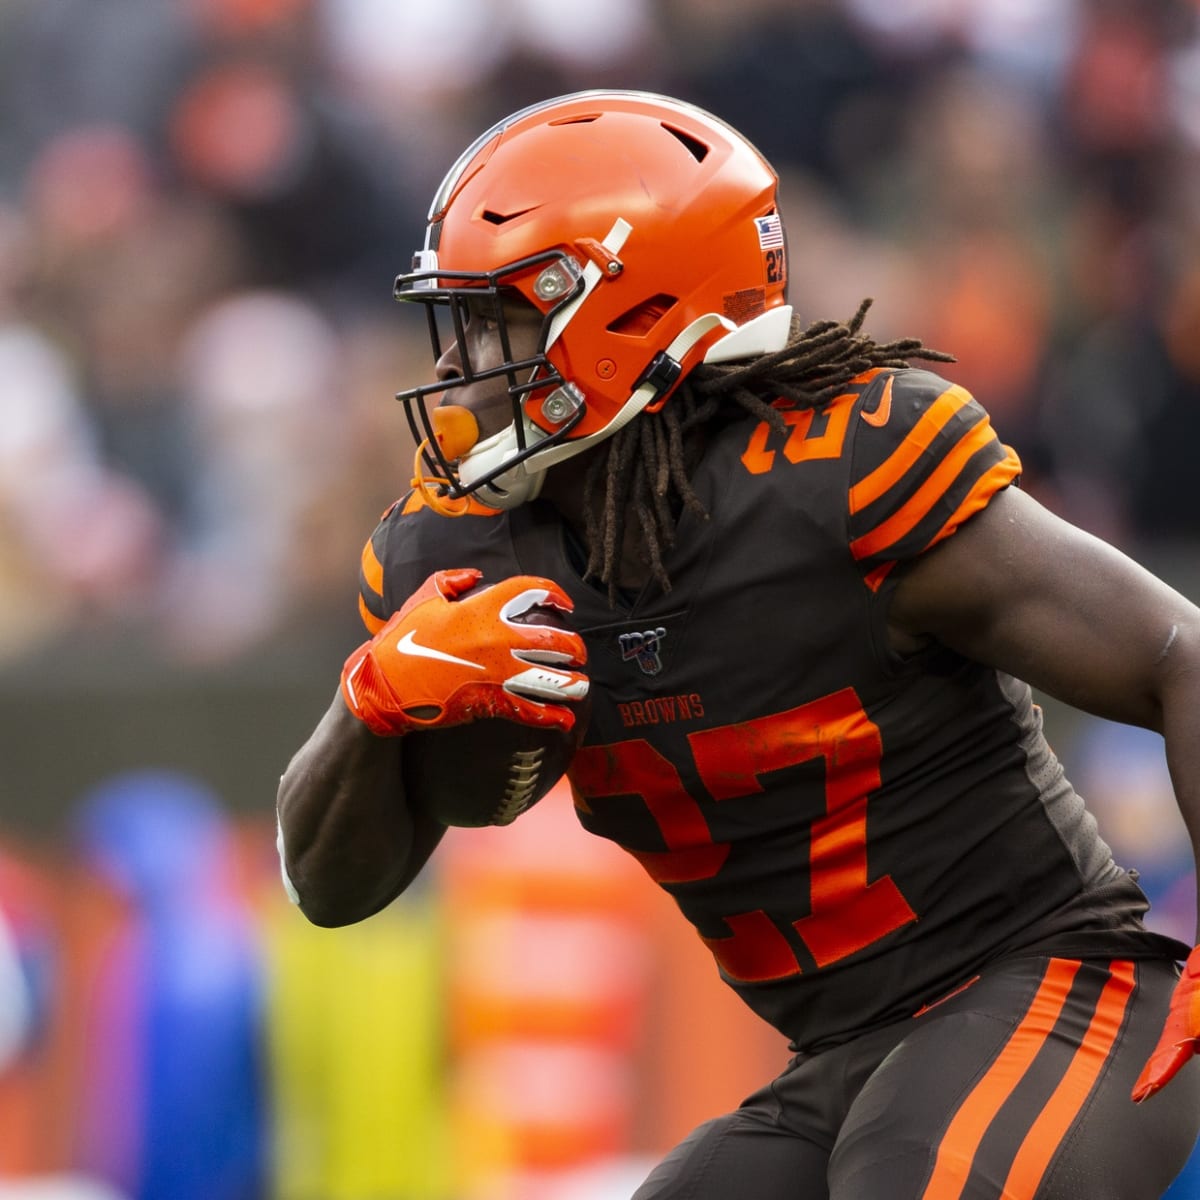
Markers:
371,606
925,458
409,542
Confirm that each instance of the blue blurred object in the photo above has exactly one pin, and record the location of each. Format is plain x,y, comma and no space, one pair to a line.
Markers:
16,998
27,958
1121,772
174,1097
1187,1185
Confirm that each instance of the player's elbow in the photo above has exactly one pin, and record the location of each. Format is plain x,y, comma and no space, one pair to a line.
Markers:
329,916
335,908
328,892
1176,681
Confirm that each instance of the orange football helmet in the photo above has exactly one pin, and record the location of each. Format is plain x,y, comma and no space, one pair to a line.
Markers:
647,233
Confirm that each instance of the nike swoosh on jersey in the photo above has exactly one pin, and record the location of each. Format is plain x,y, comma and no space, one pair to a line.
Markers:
408,645
883,410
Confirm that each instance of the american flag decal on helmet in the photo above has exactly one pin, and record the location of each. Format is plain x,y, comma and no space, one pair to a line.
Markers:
770,231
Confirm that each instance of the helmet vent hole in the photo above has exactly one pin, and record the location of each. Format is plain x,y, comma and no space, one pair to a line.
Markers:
581,119
641,318
697,149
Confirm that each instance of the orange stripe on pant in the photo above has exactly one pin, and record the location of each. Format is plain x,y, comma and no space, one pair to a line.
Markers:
958,1147
1073,1089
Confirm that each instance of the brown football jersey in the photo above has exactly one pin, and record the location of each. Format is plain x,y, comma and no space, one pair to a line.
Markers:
851,832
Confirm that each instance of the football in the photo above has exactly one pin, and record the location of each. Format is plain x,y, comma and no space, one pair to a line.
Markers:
489,772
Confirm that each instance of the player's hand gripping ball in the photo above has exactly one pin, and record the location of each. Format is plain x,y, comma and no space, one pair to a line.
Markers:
1180,1038
483,682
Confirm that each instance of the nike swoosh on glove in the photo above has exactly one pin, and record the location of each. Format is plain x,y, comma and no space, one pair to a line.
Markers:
456,653
1180,1037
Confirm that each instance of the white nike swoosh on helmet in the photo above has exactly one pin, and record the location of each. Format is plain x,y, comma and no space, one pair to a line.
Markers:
407,645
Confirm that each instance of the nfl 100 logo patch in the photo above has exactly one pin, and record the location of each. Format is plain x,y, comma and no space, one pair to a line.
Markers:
643,648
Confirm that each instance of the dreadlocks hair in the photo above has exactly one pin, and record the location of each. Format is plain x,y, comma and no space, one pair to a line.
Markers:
647,469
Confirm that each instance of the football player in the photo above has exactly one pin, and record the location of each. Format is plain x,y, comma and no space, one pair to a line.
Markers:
811,599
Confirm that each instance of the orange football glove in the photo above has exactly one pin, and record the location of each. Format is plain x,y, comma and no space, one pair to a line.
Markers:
447,658
1180,1037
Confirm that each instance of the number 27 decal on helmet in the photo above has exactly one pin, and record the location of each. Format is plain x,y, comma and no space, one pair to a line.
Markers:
645,231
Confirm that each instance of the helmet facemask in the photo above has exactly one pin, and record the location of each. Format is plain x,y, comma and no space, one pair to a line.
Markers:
492,467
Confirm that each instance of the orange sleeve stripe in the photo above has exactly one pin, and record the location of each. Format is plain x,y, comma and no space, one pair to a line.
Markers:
985,487
958,1147
874,578
910,514
1054,1121
919,439
372,570
982,490
373,623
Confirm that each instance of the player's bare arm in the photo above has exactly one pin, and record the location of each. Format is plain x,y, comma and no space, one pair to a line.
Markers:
351,842
1019,589
453,654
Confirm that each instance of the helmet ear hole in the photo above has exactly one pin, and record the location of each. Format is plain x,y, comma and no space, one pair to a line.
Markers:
639,320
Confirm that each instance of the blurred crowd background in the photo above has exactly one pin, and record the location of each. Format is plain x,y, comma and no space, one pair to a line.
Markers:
203,204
